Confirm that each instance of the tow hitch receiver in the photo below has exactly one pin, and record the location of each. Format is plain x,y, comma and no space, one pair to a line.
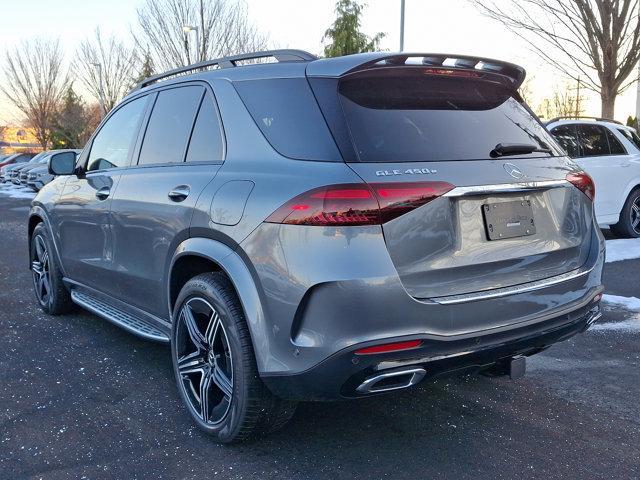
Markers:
517,367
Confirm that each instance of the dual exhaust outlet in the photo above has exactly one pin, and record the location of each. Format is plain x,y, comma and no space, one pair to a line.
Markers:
396,380
515,367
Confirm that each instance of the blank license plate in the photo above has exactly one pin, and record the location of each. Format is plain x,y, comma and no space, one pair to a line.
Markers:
508,219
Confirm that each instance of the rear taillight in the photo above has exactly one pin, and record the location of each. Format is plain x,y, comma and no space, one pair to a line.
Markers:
357,204
583,182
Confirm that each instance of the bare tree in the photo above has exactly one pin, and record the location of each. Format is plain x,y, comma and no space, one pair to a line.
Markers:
223,28
35,82
563,103
106,67
526,90
594,41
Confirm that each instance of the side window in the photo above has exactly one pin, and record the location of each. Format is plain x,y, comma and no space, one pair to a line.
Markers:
170,124
567,137
114,141
593,140
206,140
615,146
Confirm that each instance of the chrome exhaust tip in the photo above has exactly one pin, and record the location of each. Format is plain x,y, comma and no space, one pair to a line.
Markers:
386,382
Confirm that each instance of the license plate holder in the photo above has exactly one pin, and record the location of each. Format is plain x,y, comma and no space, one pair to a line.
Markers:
508,219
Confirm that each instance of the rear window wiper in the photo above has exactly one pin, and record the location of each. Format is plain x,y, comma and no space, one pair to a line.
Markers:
506,149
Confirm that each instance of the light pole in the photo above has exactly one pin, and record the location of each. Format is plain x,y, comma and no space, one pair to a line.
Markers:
401,25
638,101
190,28
101,87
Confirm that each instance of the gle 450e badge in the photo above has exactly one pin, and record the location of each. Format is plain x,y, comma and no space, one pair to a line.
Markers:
409,171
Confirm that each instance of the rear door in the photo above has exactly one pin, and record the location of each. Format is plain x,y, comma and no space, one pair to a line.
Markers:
180,153
489,221
603,157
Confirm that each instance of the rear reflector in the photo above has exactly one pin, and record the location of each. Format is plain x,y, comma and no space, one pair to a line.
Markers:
583,182
389,347
357,203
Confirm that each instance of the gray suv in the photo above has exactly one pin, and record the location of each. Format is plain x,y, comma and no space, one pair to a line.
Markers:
322,229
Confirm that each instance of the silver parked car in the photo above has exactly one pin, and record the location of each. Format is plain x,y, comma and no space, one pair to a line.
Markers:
322,229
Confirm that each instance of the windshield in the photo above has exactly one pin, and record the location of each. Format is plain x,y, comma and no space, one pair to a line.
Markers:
37,158
413,117
631,136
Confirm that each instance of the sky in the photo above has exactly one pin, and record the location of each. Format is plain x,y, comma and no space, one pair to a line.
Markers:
435,26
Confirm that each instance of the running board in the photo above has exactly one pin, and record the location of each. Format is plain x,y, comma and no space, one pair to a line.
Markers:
132,324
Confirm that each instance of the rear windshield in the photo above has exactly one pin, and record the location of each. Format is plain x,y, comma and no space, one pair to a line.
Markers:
413,117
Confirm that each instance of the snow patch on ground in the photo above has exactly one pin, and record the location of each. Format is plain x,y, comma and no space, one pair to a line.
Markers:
623,249
16,191
630,325
630,303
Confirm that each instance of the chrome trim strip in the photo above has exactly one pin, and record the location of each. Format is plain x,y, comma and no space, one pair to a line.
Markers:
368,386
505,188
505,291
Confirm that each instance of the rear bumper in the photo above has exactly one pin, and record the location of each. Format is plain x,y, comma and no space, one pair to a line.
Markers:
339,376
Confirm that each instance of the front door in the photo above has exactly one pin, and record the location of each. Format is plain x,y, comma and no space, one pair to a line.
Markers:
82,214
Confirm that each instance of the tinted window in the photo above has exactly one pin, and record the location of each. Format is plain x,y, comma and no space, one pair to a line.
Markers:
288,115
615,147
631,136
113,143
206,139
167,134
406,116
593,140
567,137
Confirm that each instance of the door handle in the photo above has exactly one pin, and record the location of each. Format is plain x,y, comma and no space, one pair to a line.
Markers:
103,193
179,193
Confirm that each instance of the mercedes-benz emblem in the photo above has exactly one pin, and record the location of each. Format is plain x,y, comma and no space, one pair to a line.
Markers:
514,171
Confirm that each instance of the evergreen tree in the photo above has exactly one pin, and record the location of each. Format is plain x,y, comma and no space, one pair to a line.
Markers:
345,35
146,69
70,122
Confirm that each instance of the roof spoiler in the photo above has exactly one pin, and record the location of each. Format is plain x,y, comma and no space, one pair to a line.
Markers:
513,74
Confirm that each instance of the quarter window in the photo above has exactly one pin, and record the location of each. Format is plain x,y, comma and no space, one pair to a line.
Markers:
615,146
113,143
567,137
167,134
206,139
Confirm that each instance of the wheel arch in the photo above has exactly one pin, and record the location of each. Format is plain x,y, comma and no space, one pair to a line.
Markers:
632,186
38,215
193,256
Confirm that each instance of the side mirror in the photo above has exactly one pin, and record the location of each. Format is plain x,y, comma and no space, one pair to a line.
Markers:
63,163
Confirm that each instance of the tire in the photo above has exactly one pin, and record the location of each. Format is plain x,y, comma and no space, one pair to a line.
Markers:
212,352
51,293
629,224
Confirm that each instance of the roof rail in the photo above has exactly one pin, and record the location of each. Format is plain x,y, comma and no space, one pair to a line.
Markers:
285,55
578,117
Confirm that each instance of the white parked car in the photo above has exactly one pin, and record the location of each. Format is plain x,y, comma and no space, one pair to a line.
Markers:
610,152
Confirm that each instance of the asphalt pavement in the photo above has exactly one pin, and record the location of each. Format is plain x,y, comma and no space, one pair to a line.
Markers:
80,398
